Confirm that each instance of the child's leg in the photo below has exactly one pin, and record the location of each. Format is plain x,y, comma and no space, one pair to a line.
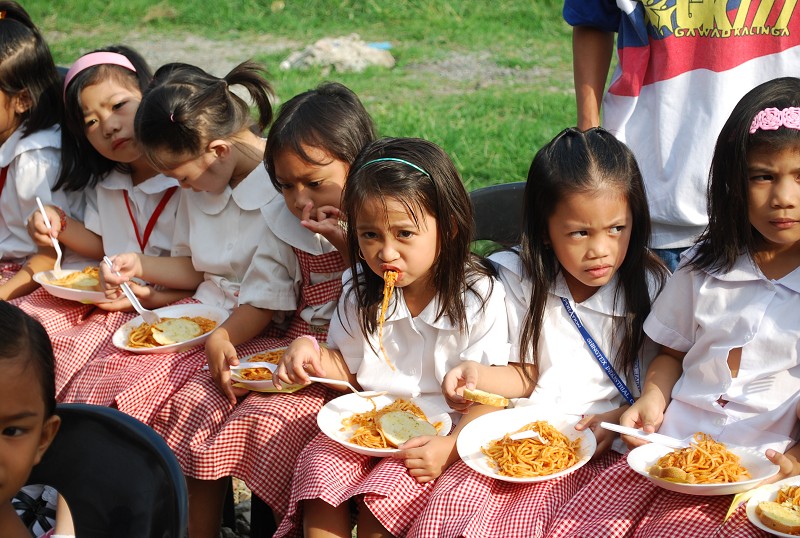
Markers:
368,525
321,520
206,499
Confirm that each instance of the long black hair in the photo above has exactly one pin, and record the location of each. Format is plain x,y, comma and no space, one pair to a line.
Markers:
83,166
185,108
27,67
436,189
729,233
586,162
329,117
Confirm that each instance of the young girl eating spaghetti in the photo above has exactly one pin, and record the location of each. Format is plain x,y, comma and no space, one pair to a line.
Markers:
583,253
728,329
408,213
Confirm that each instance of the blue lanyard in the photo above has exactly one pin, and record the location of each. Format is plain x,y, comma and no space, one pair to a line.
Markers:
601,357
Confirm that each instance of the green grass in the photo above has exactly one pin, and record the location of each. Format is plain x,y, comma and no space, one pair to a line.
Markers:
490,125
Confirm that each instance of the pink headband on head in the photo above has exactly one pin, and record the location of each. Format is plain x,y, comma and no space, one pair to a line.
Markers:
95,58
771,119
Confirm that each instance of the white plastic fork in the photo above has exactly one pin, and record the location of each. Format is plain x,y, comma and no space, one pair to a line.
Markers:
147,315
272,367
56,245
657,438
528,434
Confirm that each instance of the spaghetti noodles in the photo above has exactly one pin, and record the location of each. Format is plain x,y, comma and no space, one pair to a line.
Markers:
261,374
368,434
528,458
789,496
389,279
88,279
142,336
704,462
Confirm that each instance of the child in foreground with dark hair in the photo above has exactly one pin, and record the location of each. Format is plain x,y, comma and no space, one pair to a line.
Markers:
407,213
27,405
30,113
583,259
727,324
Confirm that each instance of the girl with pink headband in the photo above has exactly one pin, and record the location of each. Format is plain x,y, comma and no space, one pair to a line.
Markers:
128,204
727,324
30,111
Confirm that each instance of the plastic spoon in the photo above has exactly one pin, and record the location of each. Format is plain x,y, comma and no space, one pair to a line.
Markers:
651,437
147,315
57,266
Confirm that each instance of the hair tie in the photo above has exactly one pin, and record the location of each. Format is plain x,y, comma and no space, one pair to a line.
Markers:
92,59
395,159
172,117
771,119
2,15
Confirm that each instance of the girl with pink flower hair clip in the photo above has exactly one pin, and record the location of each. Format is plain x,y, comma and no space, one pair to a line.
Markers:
727,324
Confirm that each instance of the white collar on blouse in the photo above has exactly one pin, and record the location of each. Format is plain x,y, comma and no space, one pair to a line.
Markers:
745,269
16,145
117,180
253,192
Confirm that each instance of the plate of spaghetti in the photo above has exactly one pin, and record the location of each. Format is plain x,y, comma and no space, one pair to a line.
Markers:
182,326
484,445
706,467
73,285
354,421
775,508
260,379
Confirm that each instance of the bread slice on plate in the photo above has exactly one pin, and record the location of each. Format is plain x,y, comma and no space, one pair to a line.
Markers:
486,398
175,330
779,517
400,426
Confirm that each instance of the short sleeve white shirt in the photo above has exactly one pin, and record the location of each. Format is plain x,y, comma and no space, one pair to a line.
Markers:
108,215
422,348
570,378
221,232
708,313
274,278
33,164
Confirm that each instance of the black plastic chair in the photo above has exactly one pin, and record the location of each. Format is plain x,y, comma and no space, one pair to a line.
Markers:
498,213
117,475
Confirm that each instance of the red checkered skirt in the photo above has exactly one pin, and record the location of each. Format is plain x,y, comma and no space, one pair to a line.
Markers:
465,503
257,440
137,384
621,503
53,313
326,470
7,270
75,347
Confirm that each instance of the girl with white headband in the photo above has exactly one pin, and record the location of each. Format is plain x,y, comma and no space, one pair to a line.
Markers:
129,205
30,111
728,328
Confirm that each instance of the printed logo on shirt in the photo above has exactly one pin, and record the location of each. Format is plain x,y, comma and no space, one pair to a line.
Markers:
718,18
662,39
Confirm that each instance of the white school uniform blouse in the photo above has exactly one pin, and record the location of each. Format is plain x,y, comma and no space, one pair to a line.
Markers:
274,278
421,348
221,232
33,165
706,314
107,213
570,378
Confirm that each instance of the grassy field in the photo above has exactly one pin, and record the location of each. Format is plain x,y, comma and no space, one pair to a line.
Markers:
488,81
